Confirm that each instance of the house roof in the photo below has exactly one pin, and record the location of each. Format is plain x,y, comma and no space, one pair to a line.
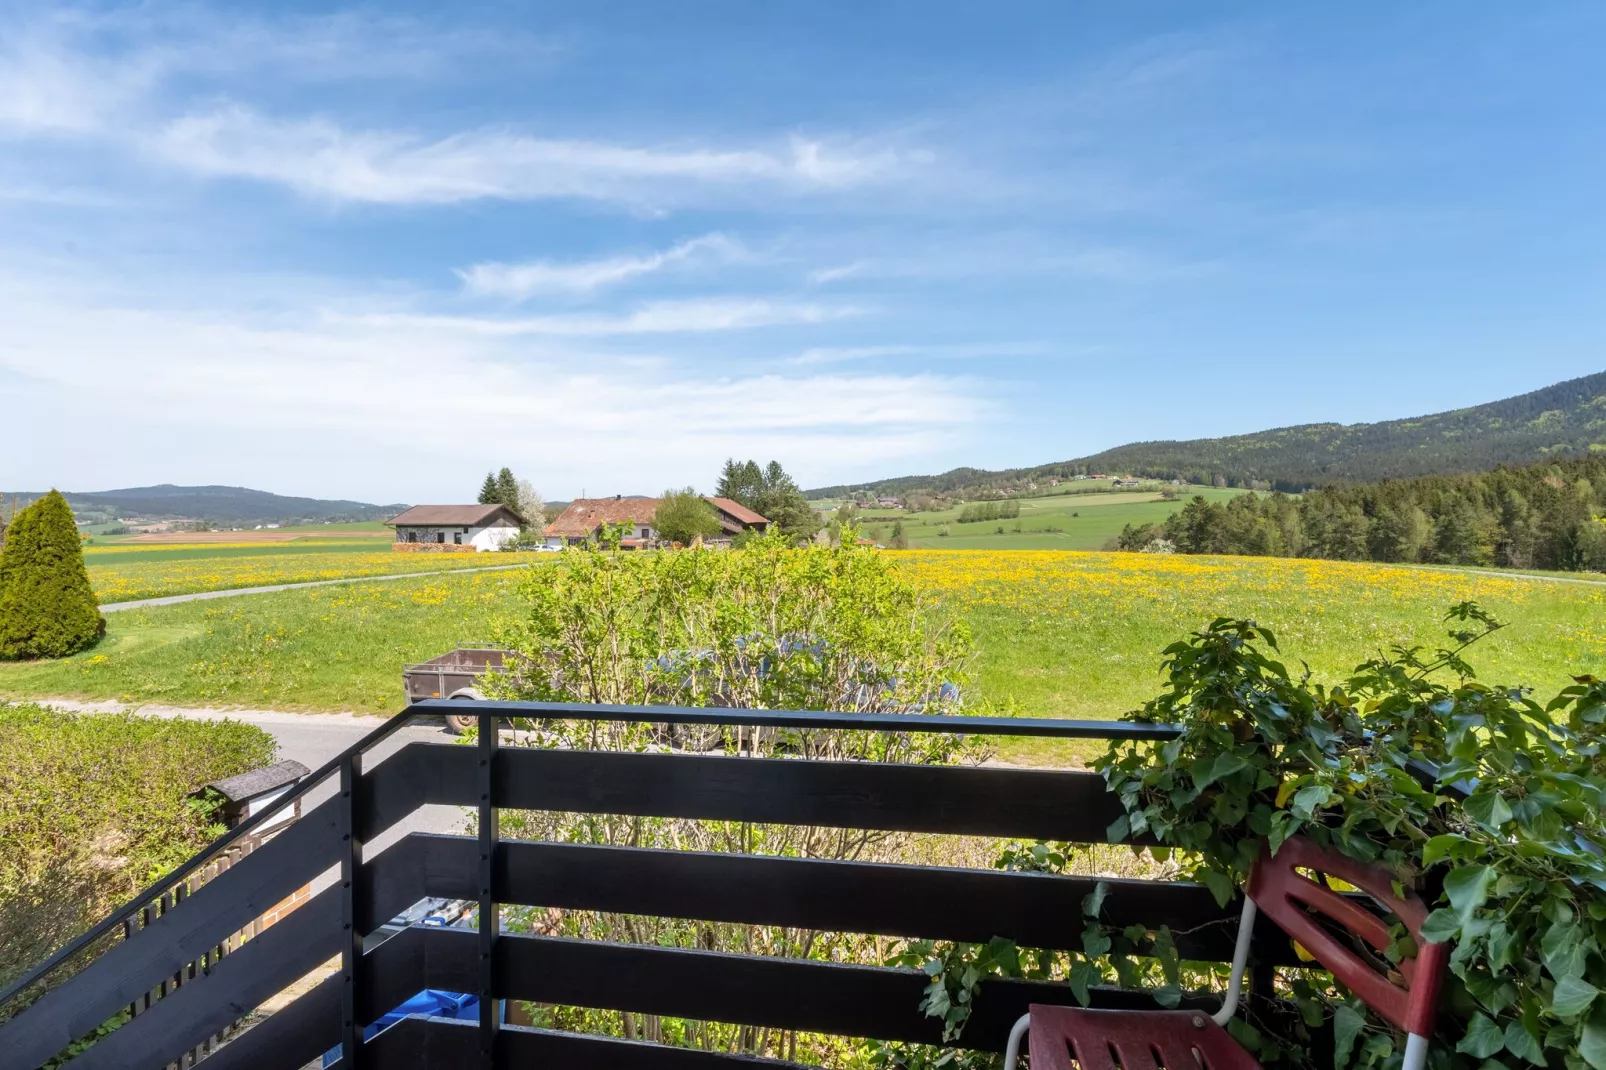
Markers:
584,515
737,510
453,515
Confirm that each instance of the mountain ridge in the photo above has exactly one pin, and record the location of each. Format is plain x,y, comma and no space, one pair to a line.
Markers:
216,504
1563,419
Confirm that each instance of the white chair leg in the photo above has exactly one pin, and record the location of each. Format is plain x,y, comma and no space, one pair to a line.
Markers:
1416,1052
1240,959
1012,1050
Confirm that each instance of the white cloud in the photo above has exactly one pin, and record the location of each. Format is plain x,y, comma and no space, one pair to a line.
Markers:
354,409
832,274
521,281
319,158
656,317
954,351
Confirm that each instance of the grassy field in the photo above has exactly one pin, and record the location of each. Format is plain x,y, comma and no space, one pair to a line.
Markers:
1084,520
1065,634
127,572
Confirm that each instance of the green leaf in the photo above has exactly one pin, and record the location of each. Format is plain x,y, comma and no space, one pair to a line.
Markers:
1488,808
1347,1025
1572,997
1483,1038
1219,883
1468,888
1093,902
1446,846
1118,829
1210,769
1308,799
1592,1041
1521,1042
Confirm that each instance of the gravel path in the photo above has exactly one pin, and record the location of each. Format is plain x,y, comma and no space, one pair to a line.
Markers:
174,599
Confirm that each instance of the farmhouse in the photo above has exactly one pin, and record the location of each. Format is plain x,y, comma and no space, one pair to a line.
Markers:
584,518
456,527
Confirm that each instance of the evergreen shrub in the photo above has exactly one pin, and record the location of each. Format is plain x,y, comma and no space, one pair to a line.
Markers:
47,608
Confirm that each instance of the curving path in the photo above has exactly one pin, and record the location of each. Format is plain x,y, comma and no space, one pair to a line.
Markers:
196,596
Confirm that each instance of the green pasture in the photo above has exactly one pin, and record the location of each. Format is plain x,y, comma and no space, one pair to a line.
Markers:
1063,635
93,555
1077,520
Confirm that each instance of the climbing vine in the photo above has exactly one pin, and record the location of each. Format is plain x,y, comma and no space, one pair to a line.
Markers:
1488,802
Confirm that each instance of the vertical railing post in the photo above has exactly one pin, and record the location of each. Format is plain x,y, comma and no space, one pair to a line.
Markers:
489,915
351,1053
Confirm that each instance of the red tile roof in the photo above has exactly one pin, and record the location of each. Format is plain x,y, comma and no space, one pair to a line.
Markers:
738,511
583,516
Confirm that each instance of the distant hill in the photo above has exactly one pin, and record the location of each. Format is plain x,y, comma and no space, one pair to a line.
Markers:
218,505
1562,420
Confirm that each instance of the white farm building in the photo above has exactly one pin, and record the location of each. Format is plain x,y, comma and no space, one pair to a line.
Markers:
456,527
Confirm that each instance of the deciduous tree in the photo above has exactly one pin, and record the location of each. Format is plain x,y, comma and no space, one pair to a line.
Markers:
683,517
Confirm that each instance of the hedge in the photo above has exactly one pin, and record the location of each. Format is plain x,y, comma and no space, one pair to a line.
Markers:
93,806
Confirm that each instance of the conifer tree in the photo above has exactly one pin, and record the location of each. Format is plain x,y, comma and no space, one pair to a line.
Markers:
47,608
488,490
507,489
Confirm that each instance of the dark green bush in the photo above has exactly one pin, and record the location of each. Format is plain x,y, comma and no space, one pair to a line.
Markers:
92,806
47,608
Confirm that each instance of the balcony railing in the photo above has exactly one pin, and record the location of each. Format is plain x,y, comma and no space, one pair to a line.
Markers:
858,1001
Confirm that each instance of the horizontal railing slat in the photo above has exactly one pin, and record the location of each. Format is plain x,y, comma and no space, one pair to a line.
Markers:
961,800
207,1003
1034,910
854,1001
222,906
423,1043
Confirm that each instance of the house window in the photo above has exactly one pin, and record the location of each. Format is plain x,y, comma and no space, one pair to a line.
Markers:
412,536
457,537
440,536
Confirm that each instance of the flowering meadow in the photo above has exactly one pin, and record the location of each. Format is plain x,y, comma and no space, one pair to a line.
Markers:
1065,634
128,573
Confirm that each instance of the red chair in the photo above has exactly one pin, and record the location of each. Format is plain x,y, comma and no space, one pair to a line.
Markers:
1075,1038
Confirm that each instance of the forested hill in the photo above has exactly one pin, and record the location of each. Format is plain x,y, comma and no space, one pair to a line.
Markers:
1566,419
222,505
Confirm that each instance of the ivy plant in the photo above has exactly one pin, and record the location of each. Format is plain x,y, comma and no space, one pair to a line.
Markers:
1482,798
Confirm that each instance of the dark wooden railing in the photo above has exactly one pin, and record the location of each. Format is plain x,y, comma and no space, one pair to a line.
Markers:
788,994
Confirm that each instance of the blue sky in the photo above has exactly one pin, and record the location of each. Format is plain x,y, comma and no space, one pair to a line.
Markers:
372,252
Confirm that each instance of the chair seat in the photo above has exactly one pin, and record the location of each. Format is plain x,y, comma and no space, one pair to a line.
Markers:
1076,1038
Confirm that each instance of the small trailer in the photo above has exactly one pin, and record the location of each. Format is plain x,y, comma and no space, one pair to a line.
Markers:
453,675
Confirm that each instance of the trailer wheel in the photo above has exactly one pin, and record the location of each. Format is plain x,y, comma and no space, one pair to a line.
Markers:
458,723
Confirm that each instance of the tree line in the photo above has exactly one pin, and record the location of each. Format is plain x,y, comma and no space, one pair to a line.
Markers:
982,511
1541,516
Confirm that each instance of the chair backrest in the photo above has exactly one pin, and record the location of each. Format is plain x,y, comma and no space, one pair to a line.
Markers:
1285,894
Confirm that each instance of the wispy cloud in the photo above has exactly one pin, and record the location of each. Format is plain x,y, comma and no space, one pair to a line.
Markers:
832,274
525,280
336,386
944,351
320,158
657,317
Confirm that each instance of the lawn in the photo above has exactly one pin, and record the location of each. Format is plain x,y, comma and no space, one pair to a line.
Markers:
1079,520
129,572
1064,634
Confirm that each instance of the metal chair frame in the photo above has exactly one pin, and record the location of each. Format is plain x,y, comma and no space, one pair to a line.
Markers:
1286,896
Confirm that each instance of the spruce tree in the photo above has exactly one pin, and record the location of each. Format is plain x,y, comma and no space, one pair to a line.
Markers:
488,490
47,608
507,489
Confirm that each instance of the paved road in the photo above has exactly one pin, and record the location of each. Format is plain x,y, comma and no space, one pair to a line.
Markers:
174,599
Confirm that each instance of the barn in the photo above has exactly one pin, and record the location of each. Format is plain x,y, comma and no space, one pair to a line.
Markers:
456,527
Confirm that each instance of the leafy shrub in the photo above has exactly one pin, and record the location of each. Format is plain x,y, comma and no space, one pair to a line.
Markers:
93,806
1520,857
47,609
